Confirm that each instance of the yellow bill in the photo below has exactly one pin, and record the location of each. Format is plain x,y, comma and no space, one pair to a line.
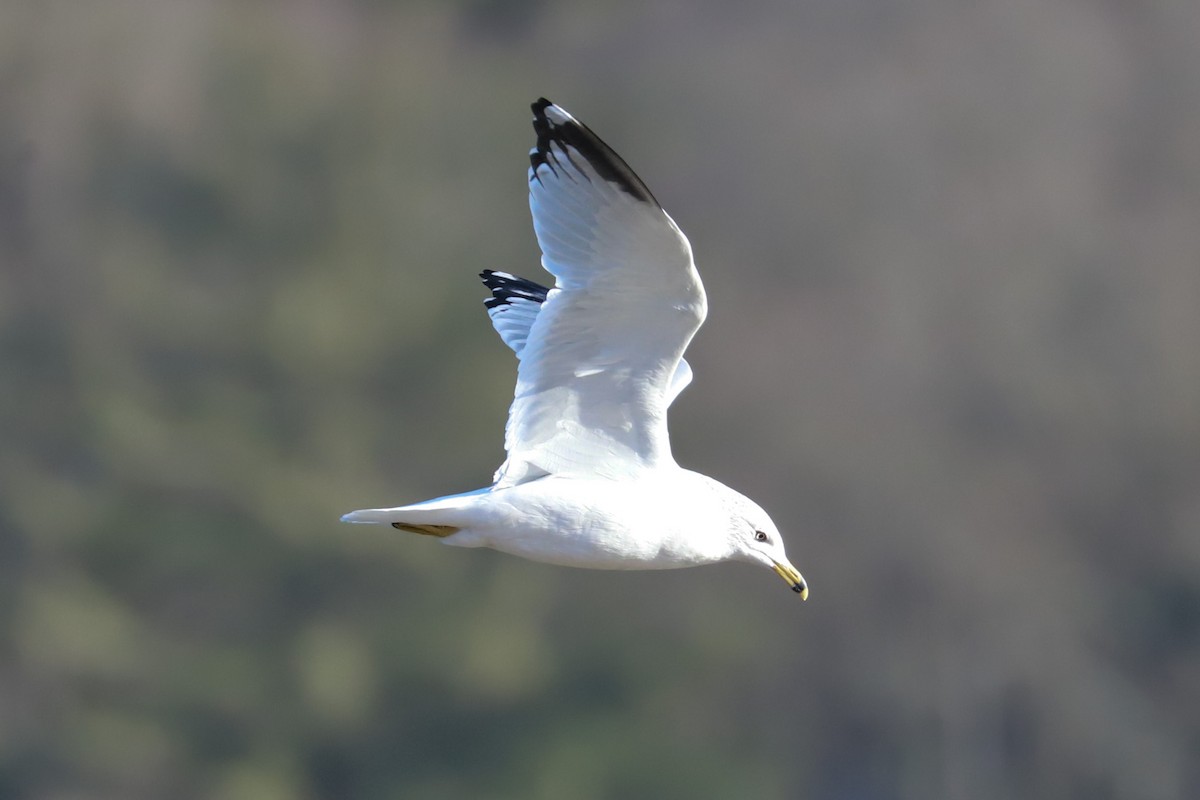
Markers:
793,577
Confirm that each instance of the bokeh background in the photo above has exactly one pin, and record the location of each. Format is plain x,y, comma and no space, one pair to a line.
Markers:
953,260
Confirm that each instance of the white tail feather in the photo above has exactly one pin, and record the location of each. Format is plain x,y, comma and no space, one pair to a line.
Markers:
447,511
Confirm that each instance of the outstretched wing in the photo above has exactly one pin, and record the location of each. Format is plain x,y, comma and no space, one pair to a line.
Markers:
596,367
514,305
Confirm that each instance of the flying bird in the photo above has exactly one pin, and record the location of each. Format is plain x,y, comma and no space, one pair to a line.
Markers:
589,479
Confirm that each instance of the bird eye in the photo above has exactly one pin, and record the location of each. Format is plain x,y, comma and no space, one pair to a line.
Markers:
759,536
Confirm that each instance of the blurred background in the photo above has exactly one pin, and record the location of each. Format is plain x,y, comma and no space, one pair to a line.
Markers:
952,252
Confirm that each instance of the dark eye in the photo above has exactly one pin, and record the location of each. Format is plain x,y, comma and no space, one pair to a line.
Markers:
759,536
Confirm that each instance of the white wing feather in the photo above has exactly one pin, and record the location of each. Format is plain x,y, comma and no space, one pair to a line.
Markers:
595,373
515,304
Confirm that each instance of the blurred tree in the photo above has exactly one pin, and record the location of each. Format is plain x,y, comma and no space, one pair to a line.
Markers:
237,251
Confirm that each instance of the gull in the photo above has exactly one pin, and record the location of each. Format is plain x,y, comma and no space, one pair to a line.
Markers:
589,479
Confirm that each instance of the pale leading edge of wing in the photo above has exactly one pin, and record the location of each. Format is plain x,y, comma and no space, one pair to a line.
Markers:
596,369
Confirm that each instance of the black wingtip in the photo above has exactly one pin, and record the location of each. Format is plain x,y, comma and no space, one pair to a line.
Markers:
570,132
505,288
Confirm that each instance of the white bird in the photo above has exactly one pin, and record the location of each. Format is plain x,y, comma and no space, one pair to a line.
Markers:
589,480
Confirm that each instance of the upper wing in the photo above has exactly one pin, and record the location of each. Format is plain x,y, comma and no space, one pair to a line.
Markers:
514,305
596,368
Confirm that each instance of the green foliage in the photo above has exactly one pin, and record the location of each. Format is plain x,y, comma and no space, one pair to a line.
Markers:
951,256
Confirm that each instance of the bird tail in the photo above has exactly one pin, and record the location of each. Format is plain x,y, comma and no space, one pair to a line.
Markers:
439,517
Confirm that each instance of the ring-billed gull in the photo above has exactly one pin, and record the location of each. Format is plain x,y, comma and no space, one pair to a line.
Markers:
589,480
